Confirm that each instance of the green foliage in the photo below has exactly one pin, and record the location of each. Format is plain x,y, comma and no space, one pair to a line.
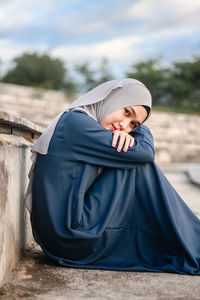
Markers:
104,73
91,77
87,74
176,87
183,85
37,70
153,76
33,69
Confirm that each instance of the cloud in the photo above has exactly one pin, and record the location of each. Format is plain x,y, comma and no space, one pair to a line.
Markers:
171,13
123,31
172,45
8,50
115,50
118,49
15,15
83,22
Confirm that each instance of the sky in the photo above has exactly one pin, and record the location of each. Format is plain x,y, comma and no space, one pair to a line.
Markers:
123,31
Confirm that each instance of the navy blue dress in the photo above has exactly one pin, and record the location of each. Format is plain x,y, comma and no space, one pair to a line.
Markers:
127,218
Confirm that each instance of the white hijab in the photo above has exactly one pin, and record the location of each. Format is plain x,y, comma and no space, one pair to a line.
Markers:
97,103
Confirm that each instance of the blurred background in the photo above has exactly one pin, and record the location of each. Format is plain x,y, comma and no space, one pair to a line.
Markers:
52,51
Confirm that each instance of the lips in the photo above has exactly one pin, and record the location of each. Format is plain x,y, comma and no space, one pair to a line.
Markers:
113,127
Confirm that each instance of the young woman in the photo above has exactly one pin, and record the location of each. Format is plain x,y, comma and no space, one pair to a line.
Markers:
96,197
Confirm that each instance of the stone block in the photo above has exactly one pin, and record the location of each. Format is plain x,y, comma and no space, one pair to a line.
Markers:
22,132
15,163
5,128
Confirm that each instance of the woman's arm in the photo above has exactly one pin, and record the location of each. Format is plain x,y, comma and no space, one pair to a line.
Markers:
90,142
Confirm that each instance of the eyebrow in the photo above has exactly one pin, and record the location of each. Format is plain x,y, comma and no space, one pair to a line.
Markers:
133,111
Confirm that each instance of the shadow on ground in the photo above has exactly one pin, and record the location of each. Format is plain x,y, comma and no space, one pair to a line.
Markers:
37,277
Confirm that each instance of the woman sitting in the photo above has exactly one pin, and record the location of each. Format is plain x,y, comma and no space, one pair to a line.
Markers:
96,197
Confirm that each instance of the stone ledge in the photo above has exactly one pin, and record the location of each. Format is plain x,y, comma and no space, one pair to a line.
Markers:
12,124
17,136
15,163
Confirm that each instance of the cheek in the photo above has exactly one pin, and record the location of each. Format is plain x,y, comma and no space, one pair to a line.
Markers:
105,123
107,120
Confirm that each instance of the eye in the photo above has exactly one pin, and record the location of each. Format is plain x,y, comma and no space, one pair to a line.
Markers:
127,112
133,125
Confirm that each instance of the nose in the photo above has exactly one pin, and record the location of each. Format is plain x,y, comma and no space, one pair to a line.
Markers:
123,124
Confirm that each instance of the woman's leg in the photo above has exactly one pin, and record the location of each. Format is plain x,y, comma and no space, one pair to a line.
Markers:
140,222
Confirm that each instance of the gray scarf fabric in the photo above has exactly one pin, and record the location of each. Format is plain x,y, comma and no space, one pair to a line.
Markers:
131,94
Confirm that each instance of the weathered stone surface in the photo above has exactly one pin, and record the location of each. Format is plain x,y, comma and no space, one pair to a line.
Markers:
21,132
176,136
5,128
36,105
15,231
15,121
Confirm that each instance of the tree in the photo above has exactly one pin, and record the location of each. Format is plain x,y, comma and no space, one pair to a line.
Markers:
153,76
87,75
104,73
32,69
183,85
92,77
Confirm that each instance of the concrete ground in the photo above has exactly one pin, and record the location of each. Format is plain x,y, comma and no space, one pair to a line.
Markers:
37,278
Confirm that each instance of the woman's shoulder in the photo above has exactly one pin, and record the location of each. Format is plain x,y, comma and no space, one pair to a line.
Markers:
77,118
142,128
74,114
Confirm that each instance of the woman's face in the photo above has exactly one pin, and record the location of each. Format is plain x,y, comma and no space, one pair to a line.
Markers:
125,119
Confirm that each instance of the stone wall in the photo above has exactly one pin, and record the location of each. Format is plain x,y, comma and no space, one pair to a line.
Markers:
16,137
36,105
176,137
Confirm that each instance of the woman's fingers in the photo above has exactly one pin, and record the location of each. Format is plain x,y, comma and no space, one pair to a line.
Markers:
127,143
121,141
115,137
124,137
132,141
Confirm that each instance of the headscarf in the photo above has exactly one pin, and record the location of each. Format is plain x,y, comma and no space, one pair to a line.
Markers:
97,103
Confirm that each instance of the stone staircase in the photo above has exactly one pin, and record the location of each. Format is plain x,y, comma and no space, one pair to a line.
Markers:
36,105
176,136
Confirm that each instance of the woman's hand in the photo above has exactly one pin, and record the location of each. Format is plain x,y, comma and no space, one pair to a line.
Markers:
124,139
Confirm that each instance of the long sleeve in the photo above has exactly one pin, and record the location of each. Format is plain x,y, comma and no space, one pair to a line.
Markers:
90,142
